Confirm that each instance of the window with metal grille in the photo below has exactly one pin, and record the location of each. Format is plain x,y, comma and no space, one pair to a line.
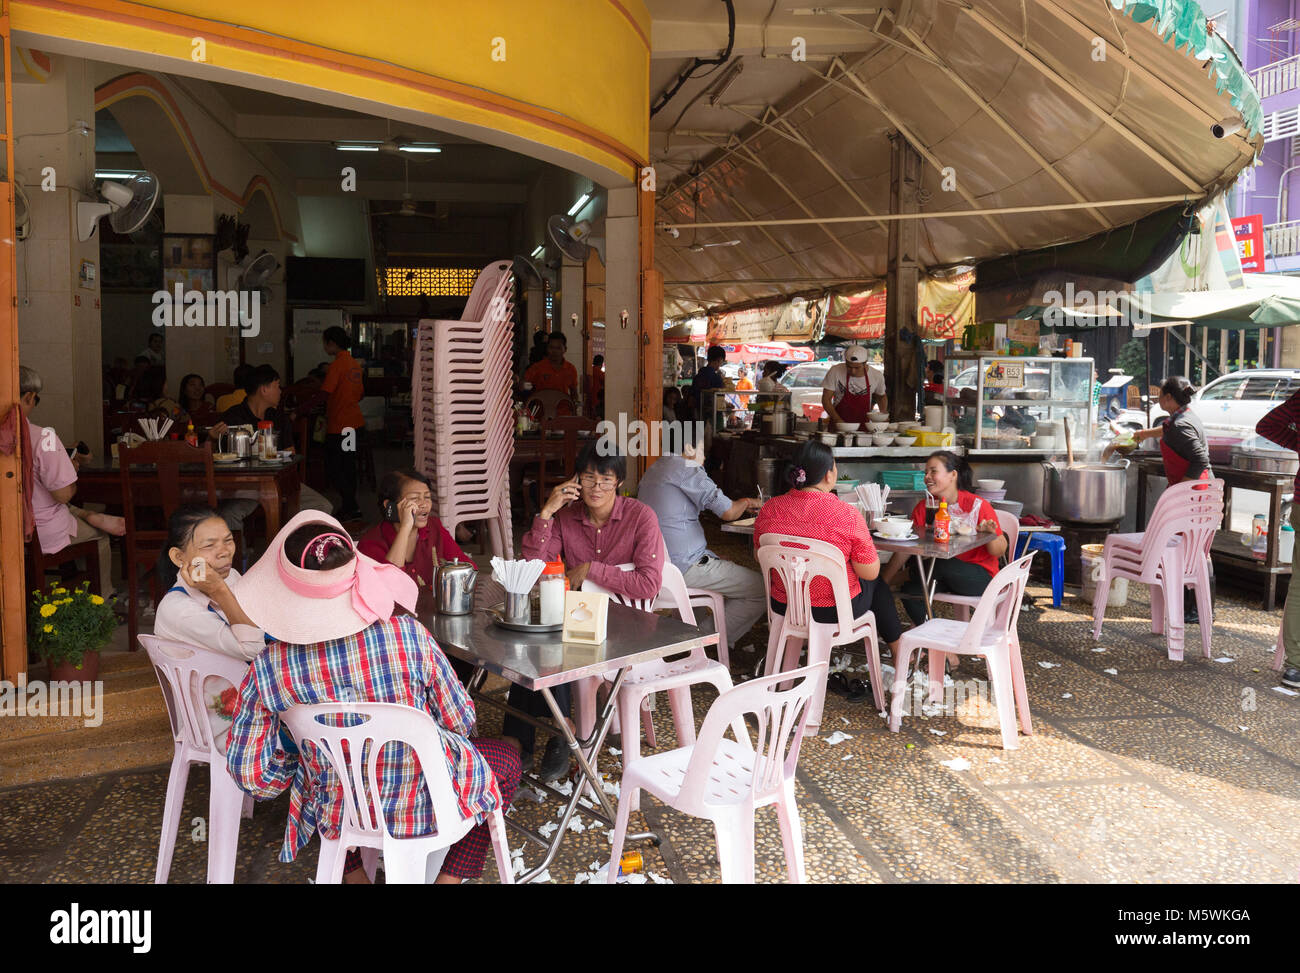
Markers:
433,281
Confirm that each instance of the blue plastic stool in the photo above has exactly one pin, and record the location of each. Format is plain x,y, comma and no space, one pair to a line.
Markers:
1054,545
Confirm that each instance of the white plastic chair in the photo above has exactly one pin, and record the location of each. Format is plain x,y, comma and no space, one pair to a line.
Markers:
724,780
675,677
798,560
183,670
963,605
1279,654
991,634
715,603
1172,553
352,753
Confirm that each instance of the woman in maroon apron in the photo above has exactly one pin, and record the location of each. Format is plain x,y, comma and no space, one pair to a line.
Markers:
1183,447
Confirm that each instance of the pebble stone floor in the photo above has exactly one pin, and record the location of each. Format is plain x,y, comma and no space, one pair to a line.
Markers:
1139,770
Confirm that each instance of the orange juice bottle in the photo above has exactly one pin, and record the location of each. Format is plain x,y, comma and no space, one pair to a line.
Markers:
942,524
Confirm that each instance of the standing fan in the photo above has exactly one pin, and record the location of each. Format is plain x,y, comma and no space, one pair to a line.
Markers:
126,204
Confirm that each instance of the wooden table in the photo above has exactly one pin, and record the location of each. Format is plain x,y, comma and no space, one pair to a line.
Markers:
1227,548
275,486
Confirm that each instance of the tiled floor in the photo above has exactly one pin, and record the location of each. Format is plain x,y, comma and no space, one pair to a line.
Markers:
1153,772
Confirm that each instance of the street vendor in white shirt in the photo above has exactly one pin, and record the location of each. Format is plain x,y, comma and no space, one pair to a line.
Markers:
851,388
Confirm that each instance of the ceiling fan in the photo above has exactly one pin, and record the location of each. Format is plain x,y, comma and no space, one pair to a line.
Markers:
409,207
694,246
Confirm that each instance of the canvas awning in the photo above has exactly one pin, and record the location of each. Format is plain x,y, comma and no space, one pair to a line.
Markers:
1040,125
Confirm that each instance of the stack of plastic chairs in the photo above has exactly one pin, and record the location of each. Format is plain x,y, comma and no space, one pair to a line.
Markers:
461,401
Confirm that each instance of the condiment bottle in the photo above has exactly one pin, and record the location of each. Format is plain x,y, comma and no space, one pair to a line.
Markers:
551,588
266,430
191,437
942,524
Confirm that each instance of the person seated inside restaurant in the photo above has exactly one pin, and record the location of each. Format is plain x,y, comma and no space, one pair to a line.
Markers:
592,537
948,479
152,392
851,389
242,374
201,608
408,534
810,509
675,406
262,404
153,350
677,489
54,483
553,373
332,609
771,380
194,397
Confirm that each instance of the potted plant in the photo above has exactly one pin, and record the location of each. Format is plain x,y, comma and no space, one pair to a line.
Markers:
68,628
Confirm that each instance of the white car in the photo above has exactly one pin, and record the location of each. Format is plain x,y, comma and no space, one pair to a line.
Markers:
1231,406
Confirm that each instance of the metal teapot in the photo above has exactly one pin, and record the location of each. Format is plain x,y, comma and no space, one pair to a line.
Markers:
454,584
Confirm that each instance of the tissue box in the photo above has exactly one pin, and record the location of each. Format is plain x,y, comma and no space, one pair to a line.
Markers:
585,616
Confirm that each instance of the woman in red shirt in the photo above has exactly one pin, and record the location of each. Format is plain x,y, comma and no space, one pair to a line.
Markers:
810,509
948,480
408,534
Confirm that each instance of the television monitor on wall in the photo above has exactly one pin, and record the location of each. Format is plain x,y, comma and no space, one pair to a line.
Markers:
325,280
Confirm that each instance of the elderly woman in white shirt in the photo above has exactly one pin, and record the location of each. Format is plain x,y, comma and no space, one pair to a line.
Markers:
200,607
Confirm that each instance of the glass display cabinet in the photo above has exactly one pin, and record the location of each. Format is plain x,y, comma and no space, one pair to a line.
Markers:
1010,402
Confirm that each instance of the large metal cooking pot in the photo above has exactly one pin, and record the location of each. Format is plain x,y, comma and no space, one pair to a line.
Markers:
1087,493
776,423
1265,460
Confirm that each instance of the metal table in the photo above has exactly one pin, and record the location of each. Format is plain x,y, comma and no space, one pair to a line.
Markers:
543,661
927,551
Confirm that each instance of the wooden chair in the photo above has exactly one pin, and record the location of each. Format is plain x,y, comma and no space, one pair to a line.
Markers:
544,404
39,564
159,489
560,454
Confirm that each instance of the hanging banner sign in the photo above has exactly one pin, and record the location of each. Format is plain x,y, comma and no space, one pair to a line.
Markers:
794,321
777,351
945,306
1249,233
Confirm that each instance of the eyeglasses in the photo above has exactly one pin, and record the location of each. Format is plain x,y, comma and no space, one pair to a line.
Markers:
597,483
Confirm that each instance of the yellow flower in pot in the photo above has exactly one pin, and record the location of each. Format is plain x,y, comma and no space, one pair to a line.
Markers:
85,625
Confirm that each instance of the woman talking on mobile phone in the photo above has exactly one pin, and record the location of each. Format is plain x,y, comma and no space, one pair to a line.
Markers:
409,535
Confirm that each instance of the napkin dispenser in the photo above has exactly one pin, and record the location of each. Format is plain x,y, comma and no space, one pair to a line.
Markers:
585,616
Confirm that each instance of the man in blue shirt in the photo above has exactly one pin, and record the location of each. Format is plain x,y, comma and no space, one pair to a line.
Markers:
676,488
708,377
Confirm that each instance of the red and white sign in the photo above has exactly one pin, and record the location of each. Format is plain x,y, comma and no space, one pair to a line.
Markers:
1249,231
779,350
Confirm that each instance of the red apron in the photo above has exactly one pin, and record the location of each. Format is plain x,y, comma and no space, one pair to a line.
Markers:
854,408
1175,465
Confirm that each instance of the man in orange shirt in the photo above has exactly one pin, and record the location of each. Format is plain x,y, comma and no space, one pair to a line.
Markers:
553,373
345,388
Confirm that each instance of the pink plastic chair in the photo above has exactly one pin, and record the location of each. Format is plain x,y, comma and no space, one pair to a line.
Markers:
1279,654
714,602
675,677
352,752
991,634
1172,553
183,670
724,780
798,560
965,604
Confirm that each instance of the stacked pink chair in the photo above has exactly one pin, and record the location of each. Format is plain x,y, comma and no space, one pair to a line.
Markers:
461,402
1173,553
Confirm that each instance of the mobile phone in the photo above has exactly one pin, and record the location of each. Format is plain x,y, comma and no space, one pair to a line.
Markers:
390,512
